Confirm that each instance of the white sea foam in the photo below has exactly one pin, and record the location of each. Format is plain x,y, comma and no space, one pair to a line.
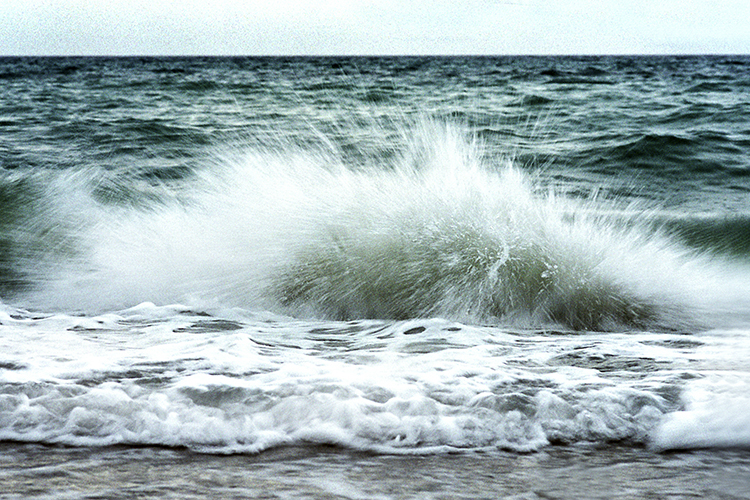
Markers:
227,380
717,404
172,376
724,422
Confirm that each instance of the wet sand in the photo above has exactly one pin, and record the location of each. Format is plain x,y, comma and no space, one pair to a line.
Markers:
43,472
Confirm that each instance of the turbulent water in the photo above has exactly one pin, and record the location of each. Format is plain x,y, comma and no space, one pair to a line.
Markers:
393,255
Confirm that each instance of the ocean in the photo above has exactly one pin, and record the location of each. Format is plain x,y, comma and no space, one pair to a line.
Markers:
375,277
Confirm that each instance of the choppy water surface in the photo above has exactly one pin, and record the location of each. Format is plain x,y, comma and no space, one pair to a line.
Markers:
389,255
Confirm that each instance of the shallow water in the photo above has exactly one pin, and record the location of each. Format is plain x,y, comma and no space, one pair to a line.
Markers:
287,473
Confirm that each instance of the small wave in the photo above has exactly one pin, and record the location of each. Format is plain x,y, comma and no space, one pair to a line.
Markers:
532,100
711,86
726,235
584,76
664,152
650,144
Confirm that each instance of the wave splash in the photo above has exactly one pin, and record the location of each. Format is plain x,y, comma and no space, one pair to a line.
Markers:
435,232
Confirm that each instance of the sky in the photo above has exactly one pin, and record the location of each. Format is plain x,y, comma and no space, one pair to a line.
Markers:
373,27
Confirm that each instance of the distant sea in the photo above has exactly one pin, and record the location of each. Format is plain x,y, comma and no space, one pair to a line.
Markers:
375,277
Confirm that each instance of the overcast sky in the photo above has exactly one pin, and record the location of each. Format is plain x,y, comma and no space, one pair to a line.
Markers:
271,27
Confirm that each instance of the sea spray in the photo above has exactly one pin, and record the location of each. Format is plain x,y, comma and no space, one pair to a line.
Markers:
443,234
438,231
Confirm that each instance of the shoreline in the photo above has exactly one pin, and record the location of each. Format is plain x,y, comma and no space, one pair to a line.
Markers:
564,472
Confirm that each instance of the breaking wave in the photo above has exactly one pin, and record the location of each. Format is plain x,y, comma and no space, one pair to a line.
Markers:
439,231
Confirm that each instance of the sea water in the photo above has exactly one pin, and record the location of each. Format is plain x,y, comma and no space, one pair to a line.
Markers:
312,262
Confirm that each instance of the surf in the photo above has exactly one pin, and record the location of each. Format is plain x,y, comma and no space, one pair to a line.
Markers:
436,231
